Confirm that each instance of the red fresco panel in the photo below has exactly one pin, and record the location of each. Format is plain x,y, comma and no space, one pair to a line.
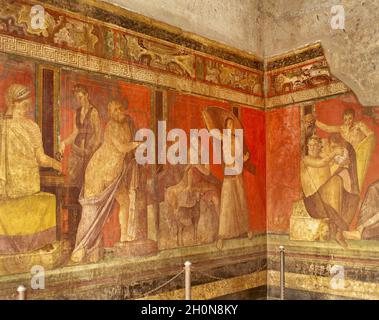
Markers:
283,166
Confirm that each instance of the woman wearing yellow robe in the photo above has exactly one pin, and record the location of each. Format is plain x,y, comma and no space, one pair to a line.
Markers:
27,216
359,136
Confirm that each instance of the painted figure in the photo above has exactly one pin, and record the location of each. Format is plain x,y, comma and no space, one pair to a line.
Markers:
309,125
85,138
197,184
234,211
104,183
359,136
344,163
324,192
27,216
368,225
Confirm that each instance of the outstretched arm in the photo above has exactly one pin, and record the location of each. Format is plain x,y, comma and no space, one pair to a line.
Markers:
124,145
70,139
365,129
203,168
43,159
319,163
46,161
327,128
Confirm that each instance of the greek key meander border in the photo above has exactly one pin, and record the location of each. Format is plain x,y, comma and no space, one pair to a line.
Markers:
13,45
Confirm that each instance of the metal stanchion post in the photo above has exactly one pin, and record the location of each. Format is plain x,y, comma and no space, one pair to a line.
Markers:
21,292
282,272
187,280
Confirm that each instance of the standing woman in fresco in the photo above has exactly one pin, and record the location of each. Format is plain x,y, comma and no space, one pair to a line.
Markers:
85,138
359,136
234,211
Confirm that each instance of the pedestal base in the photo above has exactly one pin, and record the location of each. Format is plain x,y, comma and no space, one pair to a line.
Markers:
136,248
304,227
22,263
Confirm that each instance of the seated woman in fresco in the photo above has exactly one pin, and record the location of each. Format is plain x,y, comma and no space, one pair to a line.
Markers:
27,216
359,136
103,183
324,193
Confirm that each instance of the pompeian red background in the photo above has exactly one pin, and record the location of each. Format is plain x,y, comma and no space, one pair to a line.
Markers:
331,112
184,111
16,71
283,166
284,154
101,92
272,137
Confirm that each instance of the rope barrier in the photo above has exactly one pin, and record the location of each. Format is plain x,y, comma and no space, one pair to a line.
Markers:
21,290
188,268
160,287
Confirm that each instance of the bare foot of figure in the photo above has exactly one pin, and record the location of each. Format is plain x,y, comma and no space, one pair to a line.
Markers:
353,235
77,256
72,262
250,235
340,239
95,255
219,244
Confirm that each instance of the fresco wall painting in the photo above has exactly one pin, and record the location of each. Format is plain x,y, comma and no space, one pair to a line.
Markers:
321,176
76,92
75,200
